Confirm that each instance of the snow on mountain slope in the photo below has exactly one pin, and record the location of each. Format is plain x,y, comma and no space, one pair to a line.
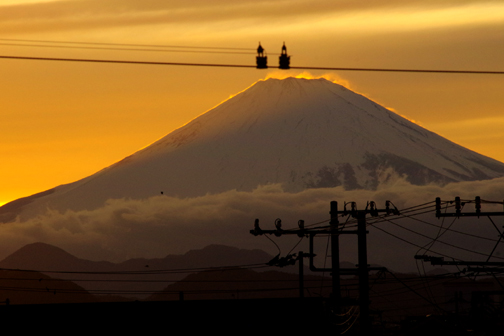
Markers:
297,132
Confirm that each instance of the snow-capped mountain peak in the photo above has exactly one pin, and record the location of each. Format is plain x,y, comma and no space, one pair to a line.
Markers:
297,132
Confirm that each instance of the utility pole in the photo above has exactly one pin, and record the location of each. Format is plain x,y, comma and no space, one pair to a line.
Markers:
460,203
474,266
335,231
492,267
301,274
363,268
335,259
363,272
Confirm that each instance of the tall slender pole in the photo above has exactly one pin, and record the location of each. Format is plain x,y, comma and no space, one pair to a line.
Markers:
301,275
335,258
363,273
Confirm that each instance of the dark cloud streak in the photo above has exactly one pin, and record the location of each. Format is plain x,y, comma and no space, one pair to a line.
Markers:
94,14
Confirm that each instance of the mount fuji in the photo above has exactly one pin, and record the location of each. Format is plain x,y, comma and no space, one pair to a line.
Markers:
295,132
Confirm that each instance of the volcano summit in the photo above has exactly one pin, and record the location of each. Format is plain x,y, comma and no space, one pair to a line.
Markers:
296,132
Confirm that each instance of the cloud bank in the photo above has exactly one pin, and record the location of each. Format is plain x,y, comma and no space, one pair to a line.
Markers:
161,225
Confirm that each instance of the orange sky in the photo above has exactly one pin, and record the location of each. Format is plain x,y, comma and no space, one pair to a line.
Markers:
63,121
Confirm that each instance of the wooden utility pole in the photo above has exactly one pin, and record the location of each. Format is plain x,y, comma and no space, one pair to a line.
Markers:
362,270
473,266
335,258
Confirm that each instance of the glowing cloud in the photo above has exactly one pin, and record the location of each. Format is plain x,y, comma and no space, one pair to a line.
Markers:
159,225
332,77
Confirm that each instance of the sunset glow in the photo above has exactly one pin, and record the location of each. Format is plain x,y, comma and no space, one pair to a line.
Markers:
63,121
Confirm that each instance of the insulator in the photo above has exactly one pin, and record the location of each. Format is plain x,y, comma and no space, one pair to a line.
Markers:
301,227
278,225
284,59
457,205
261,60
438,207
257,230
477,204
301,224
372,209
353,209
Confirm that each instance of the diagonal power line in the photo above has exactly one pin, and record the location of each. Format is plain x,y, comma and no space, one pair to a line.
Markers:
87,60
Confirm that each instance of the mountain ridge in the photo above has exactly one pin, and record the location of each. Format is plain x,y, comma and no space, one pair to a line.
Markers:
148,273
297,132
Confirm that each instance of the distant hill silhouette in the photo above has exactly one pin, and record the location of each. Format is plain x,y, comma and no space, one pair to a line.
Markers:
393,296
141,277
133,275
215,272
20,287
45,257
239,283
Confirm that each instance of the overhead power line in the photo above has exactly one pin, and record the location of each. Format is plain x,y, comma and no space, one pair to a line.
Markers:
182,50
87,60
145,272
405,70
123,62
129,45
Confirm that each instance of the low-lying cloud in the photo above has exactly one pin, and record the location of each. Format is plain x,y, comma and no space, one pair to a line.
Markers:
161,225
